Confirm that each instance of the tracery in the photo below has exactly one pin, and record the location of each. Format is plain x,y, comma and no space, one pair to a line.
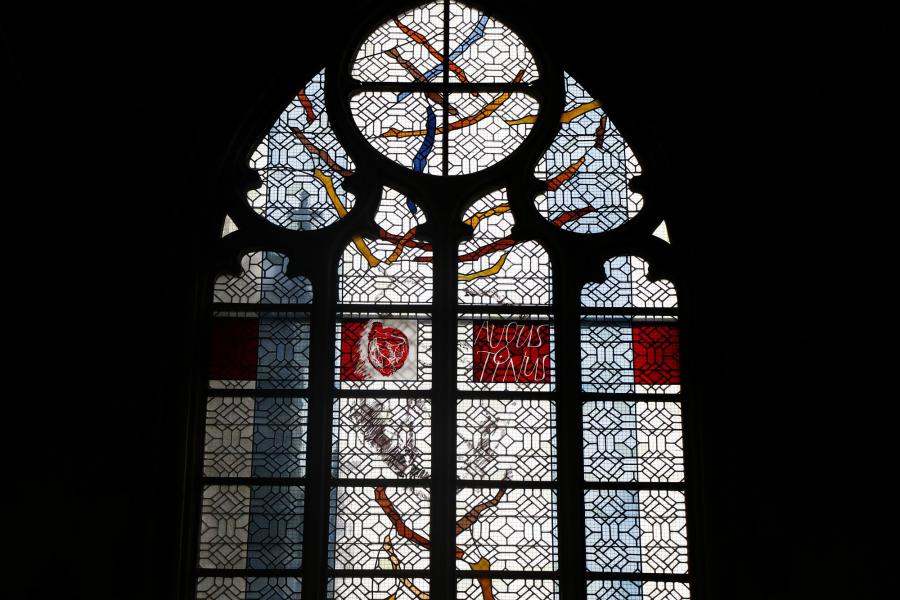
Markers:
499,393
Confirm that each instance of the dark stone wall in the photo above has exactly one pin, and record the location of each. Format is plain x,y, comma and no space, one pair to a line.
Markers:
773,131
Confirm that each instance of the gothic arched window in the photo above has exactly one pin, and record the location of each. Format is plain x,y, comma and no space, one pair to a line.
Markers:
440,365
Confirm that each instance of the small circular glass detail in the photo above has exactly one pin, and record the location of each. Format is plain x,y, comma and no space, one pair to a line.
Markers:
435,119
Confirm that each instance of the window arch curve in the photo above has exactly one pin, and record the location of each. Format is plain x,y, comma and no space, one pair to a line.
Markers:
465,213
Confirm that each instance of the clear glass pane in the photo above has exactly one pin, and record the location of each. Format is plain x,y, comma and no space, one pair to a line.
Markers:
634,531
633,441
511,439
255,437
507,529
379,528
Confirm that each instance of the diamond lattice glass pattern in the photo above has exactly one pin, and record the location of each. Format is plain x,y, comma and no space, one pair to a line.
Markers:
494,268
638,590
379,528
255,527
393,268
587,169
628,355
627,286
634,531
255,437
302,165
248,588
259,350
507,589
379,588
506,439
632,441
263,281
409,48
382,438
409,126
507,529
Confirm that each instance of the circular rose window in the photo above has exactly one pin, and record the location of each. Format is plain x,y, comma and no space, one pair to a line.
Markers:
454,99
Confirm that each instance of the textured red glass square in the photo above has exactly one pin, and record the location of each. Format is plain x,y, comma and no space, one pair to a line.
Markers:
234,347
656,354
511,352
378,349
351,334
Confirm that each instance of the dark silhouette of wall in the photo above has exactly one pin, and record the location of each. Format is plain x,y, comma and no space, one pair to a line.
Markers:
776,135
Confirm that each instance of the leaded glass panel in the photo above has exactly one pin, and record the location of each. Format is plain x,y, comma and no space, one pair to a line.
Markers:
383,352
302,165
382,438
366,588
443,90
379,527
508,353
507,529
507,589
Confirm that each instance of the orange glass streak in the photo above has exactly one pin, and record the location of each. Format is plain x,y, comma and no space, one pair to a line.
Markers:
421,39
553,184
482,114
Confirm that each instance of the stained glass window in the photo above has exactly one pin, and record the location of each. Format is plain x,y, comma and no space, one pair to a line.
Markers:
482,398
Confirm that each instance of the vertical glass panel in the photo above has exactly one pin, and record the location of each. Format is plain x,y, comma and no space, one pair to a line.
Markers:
383,352
379,528
587,169
255,437
263,280
259,350
507,529
486,51
224,521
302,165
394,268
383,588
249,588
221,588
627,286
382,438
488,126
630,355
406,48
496,269
506,439
259,527
405,127
505,353
507,589
635,531
638,590
276,527
632,441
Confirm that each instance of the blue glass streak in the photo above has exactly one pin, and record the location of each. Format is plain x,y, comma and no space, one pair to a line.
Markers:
477,34
421,158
